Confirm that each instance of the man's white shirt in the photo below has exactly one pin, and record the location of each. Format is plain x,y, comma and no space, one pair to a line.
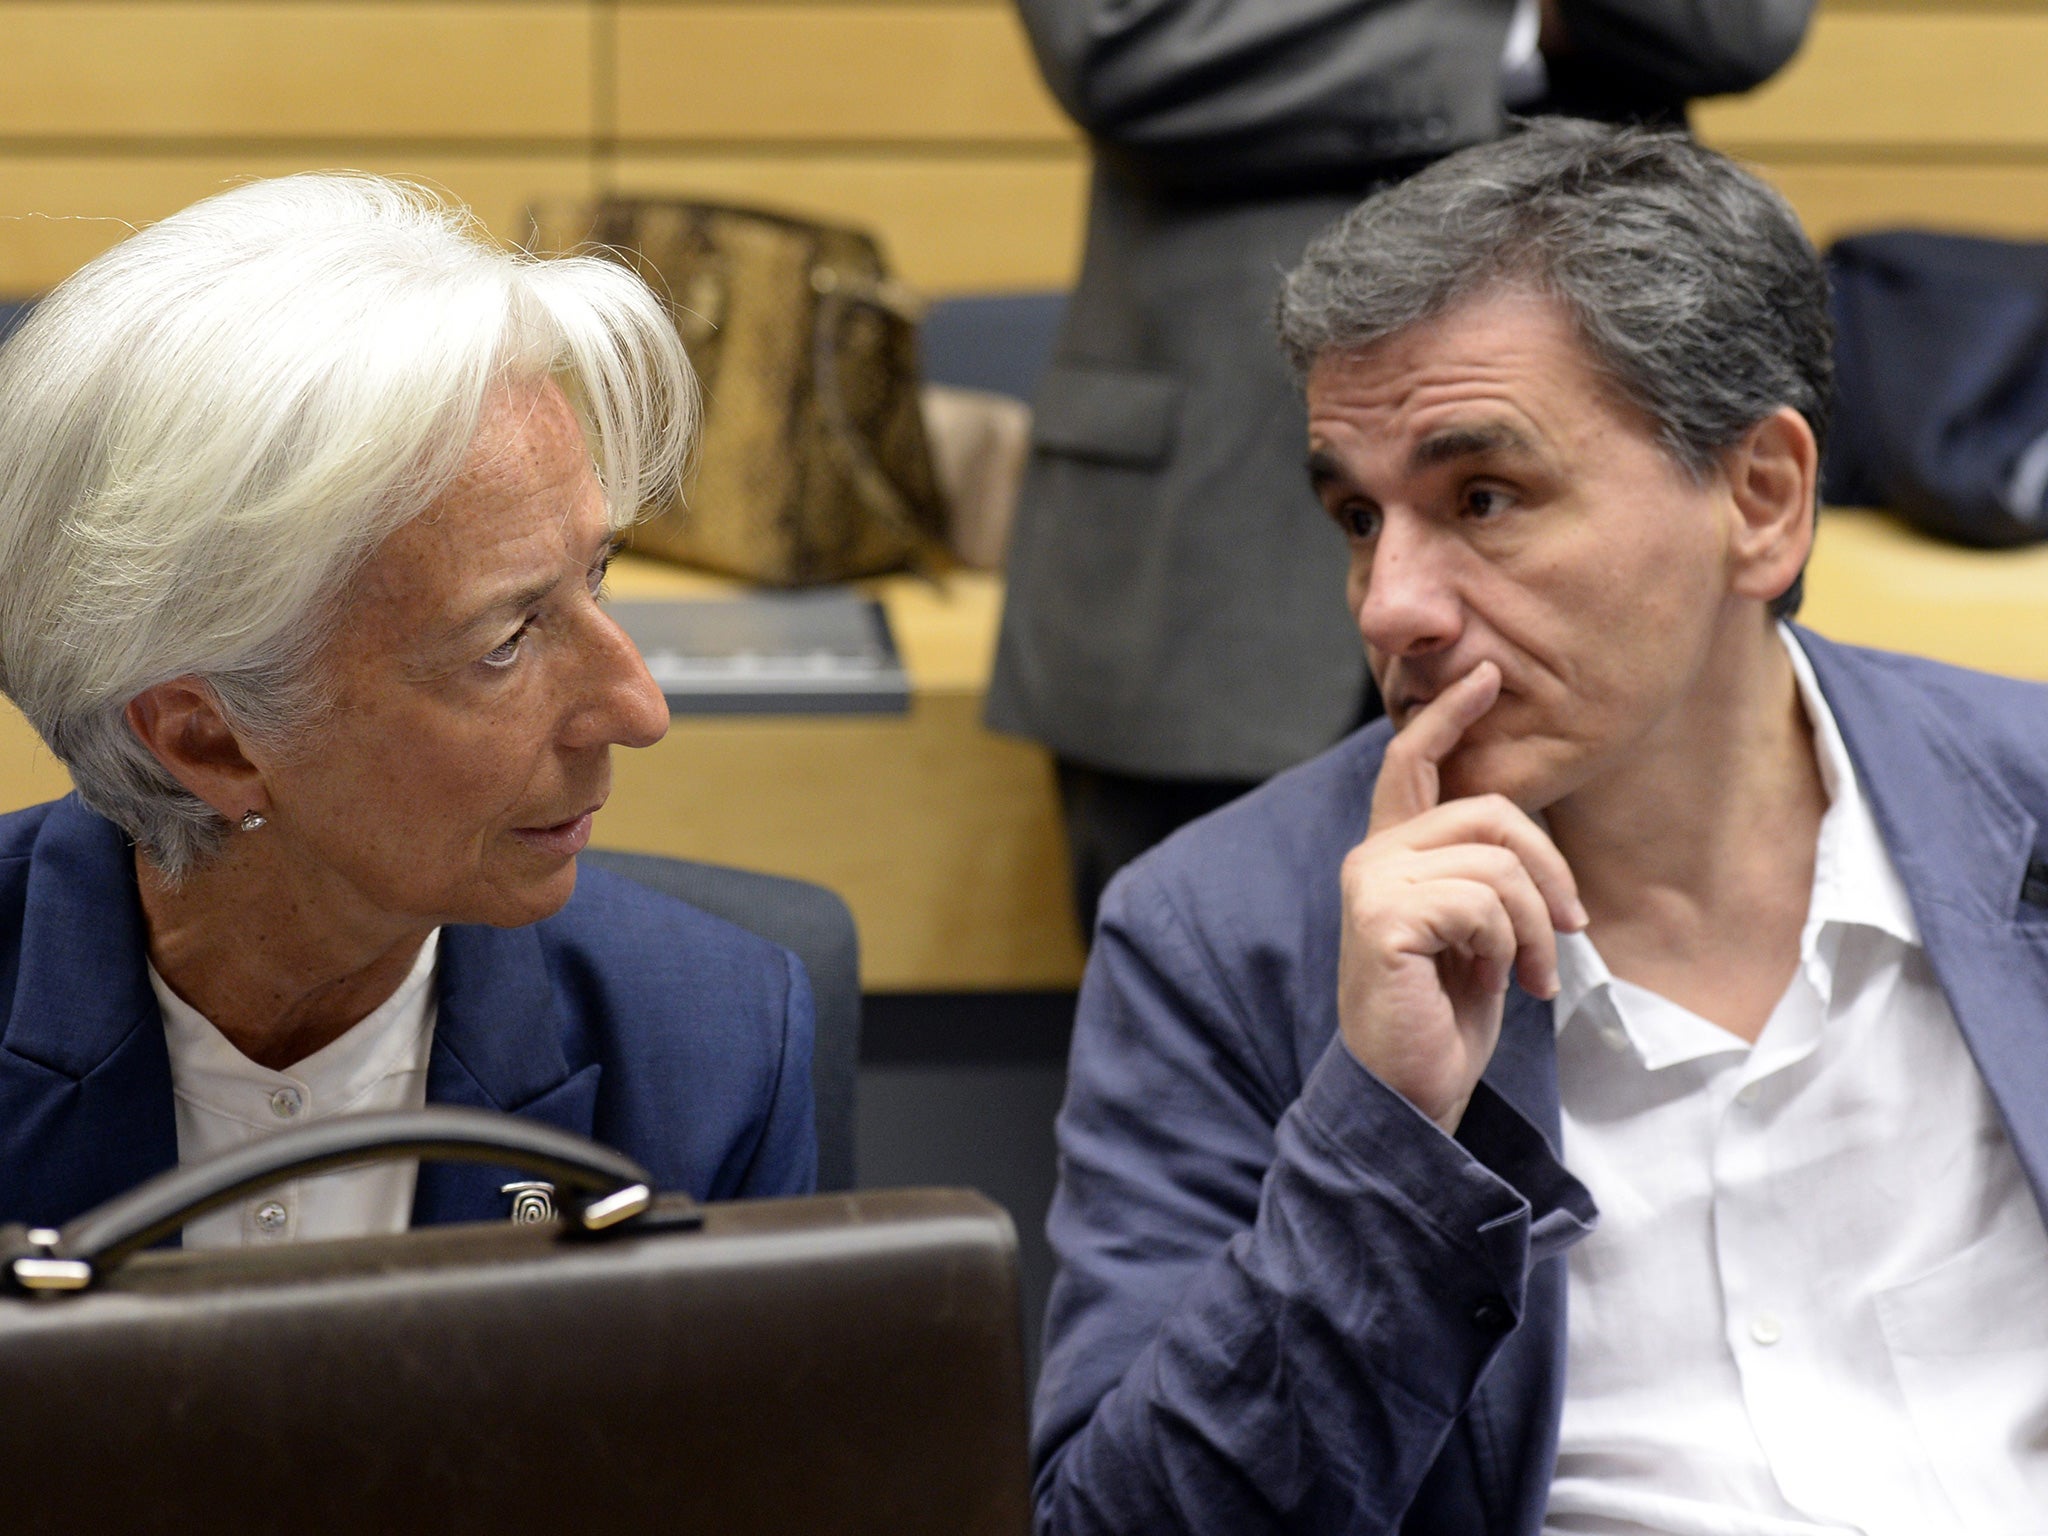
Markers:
225,1100
1817,1300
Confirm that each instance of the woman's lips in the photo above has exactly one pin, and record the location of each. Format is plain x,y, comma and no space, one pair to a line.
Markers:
565,839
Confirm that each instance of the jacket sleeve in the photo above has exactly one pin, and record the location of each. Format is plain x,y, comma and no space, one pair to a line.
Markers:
1270,94
1204,91
1676,50
1268,1314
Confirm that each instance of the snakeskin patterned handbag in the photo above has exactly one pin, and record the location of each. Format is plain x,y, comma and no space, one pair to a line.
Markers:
813,465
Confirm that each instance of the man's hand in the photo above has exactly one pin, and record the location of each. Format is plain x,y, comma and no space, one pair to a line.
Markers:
1441,904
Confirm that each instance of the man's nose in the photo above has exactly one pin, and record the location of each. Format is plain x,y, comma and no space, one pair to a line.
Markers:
622,705
1410,604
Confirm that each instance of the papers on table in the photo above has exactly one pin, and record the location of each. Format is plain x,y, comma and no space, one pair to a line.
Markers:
821,652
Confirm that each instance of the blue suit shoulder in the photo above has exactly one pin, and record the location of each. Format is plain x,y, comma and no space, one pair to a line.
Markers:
19,829
1939,747
2003,720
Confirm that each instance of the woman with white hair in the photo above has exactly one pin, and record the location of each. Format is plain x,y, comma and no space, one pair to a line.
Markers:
306,497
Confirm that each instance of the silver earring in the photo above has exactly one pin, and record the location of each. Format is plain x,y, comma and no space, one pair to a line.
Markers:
253,820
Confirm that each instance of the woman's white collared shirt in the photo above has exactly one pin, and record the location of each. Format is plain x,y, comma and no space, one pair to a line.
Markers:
1817,1300
225,1100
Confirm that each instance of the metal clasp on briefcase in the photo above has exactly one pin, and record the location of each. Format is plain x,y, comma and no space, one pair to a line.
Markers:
533,1201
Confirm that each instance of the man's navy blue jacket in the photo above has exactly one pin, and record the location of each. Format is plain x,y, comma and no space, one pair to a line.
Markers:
1287,1301
627,1016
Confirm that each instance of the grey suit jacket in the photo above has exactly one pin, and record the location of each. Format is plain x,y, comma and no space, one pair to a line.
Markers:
1176,602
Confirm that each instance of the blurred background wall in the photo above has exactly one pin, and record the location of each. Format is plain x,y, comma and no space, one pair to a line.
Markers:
924,120
921,118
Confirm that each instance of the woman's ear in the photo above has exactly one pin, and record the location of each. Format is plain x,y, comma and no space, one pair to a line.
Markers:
181,723
1773,482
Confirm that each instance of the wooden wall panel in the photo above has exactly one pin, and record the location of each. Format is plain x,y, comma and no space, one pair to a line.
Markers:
386,69
58,211
1905,112
949,224
1874,581
862,72
1957,78
1835,199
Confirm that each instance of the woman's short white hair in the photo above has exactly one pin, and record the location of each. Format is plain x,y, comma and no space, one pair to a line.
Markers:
207,430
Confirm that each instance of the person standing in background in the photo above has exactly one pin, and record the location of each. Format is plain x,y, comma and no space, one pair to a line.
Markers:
1176,629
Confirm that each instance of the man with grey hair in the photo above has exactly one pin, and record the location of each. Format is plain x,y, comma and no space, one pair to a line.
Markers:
1609,1095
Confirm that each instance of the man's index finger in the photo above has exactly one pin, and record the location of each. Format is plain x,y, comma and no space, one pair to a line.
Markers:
1408,782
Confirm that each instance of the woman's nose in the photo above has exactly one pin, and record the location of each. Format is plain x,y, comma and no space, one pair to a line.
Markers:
623,705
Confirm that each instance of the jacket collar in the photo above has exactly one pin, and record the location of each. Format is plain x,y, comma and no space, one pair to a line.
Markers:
1961,842
495,1030
85,1077
83,987
497,1045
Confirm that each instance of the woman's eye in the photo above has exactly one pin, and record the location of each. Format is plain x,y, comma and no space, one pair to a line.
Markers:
600,571
1358,520
504,654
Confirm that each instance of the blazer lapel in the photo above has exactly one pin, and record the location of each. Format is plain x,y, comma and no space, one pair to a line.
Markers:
1524,1066
1961,842
85,1076
497,1045
1512,1420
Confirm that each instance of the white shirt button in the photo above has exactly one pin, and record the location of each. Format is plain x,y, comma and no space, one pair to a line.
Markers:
1615,1036
286,1103
271,1217
1749,1093
1766,1329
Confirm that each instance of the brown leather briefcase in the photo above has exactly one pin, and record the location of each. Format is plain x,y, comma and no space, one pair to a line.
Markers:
844,1364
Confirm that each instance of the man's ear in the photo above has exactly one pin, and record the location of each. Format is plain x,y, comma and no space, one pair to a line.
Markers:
182,725
1773,479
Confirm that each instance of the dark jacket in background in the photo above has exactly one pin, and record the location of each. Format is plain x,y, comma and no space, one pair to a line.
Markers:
1941,383
1176,596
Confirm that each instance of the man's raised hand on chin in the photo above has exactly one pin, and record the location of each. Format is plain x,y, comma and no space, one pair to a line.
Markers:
1443,901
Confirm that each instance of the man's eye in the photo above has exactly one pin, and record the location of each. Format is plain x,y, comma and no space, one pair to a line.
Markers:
601,570
1483,501
1358,520
504,654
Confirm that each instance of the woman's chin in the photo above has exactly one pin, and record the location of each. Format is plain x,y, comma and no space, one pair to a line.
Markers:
523,889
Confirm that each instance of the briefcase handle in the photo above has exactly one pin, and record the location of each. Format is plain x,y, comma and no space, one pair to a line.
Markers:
602,1188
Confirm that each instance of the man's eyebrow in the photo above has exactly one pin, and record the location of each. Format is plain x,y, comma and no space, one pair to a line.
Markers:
1323,470
1468,442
